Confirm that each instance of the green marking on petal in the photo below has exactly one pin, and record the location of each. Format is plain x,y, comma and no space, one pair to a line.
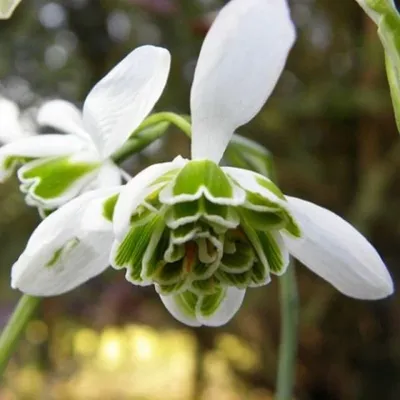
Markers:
270,186
291,226
187,302
62,251
272,251
202,173
259,275
56,175
257,202
109,206
167,177
173,289
170,273
11,162
240,260
132,249
241,281
264,221
209,304
206,286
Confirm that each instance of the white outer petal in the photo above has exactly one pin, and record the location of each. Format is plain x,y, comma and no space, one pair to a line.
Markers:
135,191
240,62
117,105
62,116
174,309
88,259
338,253
38,147
10,126
108,175
228,308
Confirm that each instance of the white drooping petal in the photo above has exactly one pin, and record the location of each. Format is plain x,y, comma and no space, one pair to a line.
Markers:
227,309
62,116
10,124
66,249
240,62
37,147
136,190
337,252
117,105
172,305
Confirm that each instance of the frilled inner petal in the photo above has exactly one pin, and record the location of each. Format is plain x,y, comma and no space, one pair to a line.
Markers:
197,234
51,182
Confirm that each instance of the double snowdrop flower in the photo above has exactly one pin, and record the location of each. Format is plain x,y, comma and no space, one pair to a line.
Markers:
200,233
58,167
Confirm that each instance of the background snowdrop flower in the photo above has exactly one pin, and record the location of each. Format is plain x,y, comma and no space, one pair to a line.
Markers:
59,167
7,7
12,125
201,233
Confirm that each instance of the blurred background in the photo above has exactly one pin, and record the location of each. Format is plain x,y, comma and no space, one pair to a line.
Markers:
331,129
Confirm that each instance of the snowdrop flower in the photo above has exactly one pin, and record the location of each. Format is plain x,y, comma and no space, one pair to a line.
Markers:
12,126
201,233
58,167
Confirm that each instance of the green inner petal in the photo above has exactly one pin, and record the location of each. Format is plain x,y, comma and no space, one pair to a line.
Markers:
109,206
202,173
270,186
187,302
132,249
272,251
55,176
209,304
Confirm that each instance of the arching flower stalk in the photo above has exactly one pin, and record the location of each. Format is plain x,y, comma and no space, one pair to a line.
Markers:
58,167
201,233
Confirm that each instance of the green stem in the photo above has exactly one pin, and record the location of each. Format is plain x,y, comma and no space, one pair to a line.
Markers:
139,141
15,326
288,344
179,121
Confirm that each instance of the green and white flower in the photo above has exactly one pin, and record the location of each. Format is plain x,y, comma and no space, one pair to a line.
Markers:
200,233
58,167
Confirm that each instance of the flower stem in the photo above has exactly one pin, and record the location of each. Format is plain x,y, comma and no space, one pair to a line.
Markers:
15,326
288,343
178,120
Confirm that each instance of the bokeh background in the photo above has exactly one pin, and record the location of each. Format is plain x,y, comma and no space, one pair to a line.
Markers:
331,129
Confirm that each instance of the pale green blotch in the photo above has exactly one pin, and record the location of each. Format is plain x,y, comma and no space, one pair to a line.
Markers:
270,186
61,251
202,173
56,175
109,206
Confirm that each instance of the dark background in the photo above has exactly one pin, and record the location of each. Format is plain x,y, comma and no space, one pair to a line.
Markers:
331,129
